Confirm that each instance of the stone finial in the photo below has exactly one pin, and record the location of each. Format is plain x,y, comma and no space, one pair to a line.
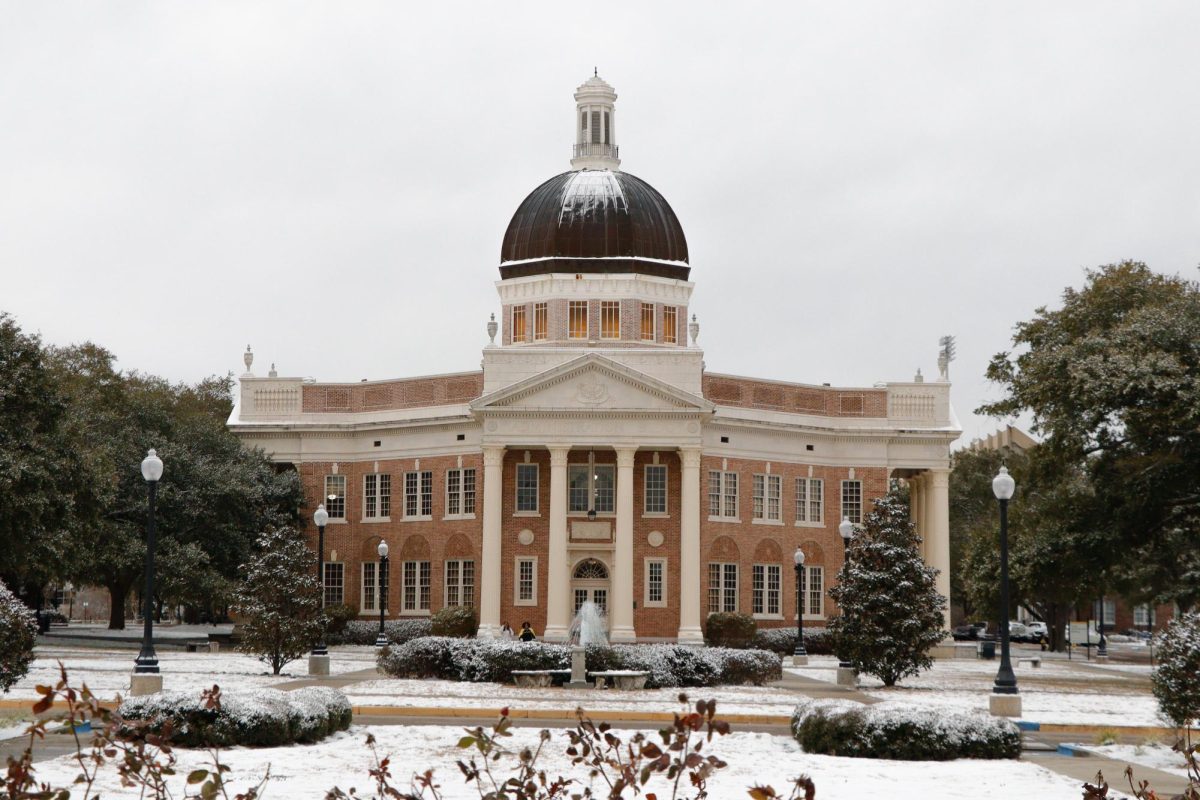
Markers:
248,359
492,327
945,356
272,373
694,330
918,378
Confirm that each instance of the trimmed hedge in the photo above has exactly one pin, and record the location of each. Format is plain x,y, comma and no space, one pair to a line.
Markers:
18,629
257,718
491,660
460,621
398,631
729,630
817,640
902,732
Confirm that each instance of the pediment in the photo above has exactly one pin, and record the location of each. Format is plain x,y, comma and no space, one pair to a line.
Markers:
592,383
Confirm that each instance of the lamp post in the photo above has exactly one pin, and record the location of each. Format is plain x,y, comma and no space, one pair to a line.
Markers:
146,676
799,655
1102,645
845,673
1005,701
318,659
381,640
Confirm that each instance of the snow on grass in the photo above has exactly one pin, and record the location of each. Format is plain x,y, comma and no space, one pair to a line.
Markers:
308,771
1154,755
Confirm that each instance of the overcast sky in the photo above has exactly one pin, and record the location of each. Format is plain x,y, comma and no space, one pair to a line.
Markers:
330,182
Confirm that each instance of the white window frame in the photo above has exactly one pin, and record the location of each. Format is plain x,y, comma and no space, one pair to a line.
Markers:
724,587
1144,616
335,508
381,493
613,306
420,580
364,568
537,487
464,588
767,491
418,495
651,310
760,591
338,585
541,313
524,324
533,599
661,562
646,489
1110,612
457,477
670,324
848,484
593,490
572,306
726,494
808,594
810,503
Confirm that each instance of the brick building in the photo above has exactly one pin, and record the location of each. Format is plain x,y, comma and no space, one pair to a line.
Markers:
593,457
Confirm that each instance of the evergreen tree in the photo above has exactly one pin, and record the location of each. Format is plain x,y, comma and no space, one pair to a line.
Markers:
280,599
1176,682
17,631
891,613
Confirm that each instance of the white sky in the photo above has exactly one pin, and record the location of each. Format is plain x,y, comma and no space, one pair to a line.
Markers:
330,182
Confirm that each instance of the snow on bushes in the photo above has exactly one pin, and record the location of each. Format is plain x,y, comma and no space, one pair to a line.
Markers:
729,630
460,621
362,631
817,640
18,629
903,732
493,660
260,717
1176,682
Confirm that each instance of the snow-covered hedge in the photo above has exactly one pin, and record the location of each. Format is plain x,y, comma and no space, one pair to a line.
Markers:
259,717
398,631
817,640
18,629
491,660
1176,682
903,732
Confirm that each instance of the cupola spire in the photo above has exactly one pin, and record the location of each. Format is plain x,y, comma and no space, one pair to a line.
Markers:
595,125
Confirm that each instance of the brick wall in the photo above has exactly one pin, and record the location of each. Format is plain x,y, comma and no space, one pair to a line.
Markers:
385,395
779,396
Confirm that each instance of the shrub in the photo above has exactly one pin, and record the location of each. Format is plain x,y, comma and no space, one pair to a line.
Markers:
336,618
364,632
729,630
1176,682
260,718
459,621
817,641
902,732
18,630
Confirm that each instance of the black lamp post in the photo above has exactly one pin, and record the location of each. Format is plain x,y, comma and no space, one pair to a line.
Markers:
381,640
147,661
1003,487
799,652
320,518
846,529
1102,646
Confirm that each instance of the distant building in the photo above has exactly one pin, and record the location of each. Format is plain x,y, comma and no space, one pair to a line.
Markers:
594,457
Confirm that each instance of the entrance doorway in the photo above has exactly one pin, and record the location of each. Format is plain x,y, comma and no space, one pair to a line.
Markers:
590,582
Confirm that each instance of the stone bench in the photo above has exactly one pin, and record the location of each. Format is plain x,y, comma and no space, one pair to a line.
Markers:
1034,661
620,679
533,678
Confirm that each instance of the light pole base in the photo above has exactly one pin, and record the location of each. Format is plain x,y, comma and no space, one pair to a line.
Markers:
1101,658
318,664
799,661
846,676
1004,705
381,641
143,683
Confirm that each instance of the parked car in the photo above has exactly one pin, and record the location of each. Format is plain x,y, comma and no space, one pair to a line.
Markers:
969,632
1037,631
1017,632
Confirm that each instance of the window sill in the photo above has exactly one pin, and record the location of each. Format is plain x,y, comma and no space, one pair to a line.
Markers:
527,513
599,515
766,522
374,520
422,612
648,604
768,616
734,520
656,515
814,617
426,518
800,524
524,602
458,516
338,521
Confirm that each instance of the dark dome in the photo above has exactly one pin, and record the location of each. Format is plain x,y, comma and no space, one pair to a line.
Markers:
594,221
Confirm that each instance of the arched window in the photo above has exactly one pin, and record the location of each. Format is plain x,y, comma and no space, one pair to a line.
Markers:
591,570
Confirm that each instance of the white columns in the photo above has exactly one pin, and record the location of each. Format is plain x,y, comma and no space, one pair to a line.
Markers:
916,509
493,517
936,510
621,607
558,607
690,631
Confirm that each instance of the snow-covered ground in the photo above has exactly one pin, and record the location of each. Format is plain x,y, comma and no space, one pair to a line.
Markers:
1154,755
308,771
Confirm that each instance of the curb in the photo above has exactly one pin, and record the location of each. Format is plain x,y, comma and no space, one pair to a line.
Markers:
556,714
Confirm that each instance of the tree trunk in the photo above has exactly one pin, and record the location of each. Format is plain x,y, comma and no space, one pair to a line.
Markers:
116,605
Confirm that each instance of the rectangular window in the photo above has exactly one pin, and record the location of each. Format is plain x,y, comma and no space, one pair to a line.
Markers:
460,492
670,324
766,492
810,495
418,495
812,590
656,582
595,127
416,586
335,583
610,319
1143,616
460,583
722,588
577,319
647,322
368,586
527,488
607,140
765,583
722,494
656,489
1110,611
541,324
591,488
518,323
335,496
852,501
377,496
525,582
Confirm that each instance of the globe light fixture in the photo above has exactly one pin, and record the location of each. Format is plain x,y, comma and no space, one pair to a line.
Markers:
320,519
846,676
799,654
1003,702
381,590
146,662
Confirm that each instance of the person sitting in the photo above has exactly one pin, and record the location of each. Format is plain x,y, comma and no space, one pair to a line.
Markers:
527,634
506,632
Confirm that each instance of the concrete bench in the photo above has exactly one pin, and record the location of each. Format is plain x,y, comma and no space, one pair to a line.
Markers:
1034,661
533,678
200,647
620,679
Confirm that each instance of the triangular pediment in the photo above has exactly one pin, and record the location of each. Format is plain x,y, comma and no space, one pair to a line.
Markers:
592,383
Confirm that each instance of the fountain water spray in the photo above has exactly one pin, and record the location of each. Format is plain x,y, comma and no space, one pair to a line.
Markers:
589,627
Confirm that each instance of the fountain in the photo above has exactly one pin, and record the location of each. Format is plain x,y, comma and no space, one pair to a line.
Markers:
588,627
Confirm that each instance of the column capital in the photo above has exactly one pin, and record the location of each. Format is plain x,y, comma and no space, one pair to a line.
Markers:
625,456
939,477
558,455
690,457
493,455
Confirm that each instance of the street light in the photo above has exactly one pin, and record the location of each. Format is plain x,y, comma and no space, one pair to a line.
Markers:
381,640
1102,646
1003,487
799,655
845,674
320,518
147,662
